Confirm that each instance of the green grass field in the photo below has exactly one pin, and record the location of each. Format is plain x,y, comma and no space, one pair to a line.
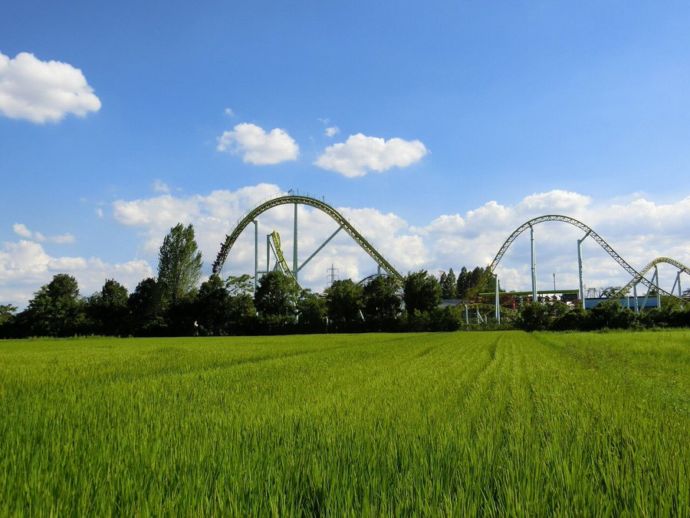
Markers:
457,423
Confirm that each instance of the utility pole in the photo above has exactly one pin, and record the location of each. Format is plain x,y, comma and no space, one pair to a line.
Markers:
554,281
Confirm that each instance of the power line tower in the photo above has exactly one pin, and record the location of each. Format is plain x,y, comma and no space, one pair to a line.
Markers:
332,273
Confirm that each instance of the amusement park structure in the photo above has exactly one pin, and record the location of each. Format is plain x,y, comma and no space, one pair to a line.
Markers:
637,277
297,200
273,242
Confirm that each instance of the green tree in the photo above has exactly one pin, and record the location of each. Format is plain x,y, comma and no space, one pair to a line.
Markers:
108,309
534,316
56,309
462,283
7,312
382,299
242,314
240,284
422,292
179,265
145,306
609,314
213,306
276,295
449,287
7,320
344,301
312,311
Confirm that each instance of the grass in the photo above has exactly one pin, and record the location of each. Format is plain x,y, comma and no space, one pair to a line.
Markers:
457,424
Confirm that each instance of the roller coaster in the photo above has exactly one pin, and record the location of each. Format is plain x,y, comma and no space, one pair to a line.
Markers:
637,277
297,200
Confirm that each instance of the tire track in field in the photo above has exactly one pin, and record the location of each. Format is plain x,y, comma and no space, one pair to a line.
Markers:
480,431
452,373
430,383
484,384
612,444
185,369
607,370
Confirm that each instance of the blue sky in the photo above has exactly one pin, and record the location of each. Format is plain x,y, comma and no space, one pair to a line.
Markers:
506,99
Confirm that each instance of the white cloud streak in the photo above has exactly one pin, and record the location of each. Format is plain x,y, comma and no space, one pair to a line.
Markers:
61,239
43,91
160,186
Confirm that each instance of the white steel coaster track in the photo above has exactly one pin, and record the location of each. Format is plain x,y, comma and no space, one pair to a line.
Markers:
637,277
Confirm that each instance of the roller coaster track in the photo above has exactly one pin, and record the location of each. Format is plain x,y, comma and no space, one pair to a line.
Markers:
596,237
280,257
644,271
226,246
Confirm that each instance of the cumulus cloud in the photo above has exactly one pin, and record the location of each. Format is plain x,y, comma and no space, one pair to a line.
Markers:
25,266
43,91
331,131
229,112
361,154
257,146
23,231
213,215
555,200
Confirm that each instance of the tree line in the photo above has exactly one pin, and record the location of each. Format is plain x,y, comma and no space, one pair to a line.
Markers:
609,314
174,304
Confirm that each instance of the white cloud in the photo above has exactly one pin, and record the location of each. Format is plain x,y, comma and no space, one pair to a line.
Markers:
331,131
160,186
556,200
21,230
258,147
43,91
229,112
99,213
360,154
213,215
61,239
25,266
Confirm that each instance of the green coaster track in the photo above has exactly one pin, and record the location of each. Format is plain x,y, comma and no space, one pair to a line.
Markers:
230,240
638,277
278,251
